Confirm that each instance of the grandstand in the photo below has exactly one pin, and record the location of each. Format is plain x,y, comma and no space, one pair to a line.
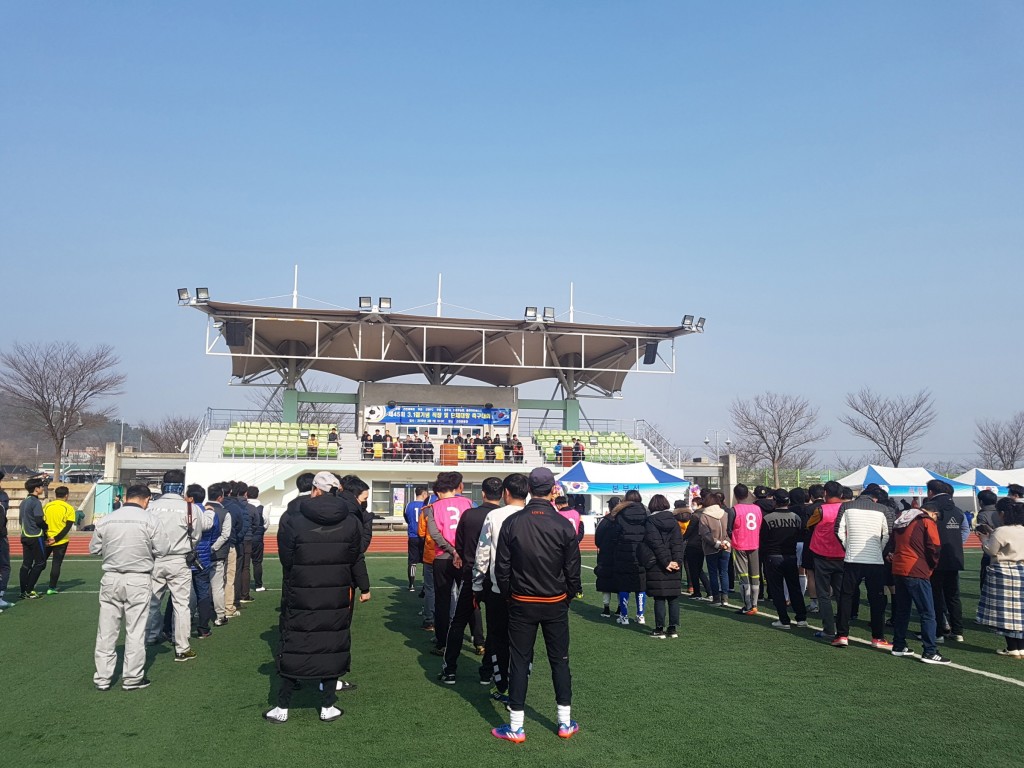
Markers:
399,434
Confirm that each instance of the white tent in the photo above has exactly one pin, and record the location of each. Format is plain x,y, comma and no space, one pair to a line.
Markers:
993,479
902,481
593,478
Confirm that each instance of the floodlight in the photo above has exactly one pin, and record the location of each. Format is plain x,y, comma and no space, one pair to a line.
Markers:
530,315
700,324
384,303
365,303
184,296
549,314
687,321
202,295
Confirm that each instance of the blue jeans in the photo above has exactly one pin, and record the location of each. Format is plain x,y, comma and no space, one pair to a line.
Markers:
718,573
920,592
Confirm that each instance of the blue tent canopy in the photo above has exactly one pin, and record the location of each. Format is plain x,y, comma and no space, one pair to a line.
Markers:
590,477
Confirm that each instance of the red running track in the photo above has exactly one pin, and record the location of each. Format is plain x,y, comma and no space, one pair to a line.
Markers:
383,543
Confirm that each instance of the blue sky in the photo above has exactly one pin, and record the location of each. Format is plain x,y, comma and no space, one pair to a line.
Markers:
835,187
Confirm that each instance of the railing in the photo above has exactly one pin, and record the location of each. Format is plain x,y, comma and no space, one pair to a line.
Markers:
652,438
223,418
527,425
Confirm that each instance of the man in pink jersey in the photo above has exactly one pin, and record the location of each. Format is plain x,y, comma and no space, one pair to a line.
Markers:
746,540
570,514
442,518
829,556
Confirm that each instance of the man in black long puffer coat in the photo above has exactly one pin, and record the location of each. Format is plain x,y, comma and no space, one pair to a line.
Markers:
320,550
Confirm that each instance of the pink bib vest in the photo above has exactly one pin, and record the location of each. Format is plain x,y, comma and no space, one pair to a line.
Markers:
824,541
447,513
746,528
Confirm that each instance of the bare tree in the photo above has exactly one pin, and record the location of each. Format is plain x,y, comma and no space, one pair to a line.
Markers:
170,433
849,463
55,386
894,424
775,429
1000,443
948,467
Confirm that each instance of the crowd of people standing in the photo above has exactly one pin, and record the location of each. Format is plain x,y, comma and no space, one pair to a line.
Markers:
825,545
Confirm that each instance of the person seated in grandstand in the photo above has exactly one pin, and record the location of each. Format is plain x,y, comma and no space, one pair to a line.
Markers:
488,449
367,446
312,446
427,449
333,437
517,452
377,437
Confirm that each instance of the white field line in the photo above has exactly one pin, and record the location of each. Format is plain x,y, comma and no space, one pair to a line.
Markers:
972,670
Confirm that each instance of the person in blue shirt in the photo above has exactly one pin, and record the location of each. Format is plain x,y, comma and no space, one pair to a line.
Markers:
412,515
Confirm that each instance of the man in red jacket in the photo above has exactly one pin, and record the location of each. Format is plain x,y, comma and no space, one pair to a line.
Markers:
913,560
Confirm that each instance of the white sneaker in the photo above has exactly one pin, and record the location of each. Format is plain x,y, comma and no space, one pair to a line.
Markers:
261,589
327,714
4,604
640,619
802,624
623,620
276,715
780,625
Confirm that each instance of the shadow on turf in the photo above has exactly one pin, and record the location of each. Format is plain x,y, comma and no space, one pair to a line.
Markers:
401,617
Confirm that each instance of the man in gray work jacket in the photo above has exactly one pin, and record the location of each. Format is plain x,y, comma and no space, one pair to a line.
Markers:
174,539
124,539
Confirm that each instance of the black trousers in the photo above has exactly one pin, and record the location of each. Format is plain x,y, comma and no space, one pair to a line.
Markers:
444,578
523,621
873,577
34,561
495,662
57,552
466,613
257,561
783,569
946,594
693,559
242,572
328,695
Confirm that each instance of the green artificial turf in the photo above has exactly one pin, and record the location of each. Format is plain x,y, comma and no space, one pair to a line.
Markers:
730,691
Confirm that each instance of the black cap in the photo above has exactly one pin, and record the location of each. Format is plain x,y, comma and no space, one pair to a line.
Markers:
541,477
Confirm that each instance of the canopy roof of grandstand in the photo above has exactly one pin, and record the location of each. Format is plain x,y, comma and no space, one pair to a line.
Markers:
375,346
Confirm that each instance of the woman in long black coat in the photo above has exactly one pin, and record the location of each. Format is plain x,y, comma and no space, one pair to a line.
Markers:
320,550
627,573
661,554
604,537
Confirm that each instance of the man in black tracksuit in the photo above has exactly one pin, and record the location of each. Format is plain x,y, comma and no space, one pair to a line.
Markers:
467,537
953,532
538,572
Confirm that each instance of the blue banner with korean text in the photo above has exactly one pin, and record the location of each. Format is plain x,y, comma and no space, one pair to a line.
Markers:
443,415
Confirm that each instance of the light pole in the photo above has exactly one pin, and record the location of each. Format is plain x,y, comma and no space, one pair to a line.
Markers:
718,445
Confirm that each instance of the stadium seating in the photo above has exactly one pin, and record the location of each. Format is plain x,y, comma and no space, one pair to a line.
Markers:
606,447
268,440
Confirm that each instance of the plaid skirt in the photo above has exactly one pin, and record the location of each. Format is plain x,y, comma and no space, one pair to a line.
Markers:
1002,598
